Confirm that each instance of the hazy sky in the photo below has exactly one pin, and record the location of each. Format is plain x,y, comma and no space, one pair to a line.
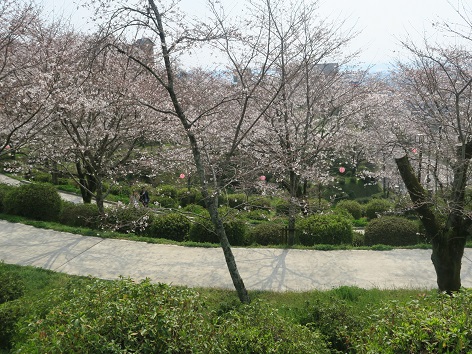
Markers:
382,23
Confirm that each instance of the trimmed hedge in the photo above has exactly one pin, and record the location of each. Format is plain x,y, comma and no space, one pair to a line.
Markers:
35,201
127,218
265,234
391,230
80,215
376,207
173,226
4,190
352,207
331,229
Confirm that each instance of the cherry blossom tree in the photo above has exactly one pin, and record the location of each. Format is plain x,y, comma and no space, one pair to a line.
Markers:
98,120
437,89
26,77
310,117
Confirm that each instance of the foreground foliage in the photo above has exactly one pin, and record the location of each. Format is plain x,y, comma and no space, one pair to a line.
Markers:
124,316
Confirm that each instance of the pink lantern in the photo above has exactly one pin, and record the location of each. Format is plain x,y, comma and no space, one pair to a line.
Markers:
7,147
182,176
262,178
414,150
342,169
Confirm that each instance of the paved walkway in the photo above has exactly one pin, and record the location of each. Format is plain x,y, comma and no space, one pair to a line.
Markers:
261,269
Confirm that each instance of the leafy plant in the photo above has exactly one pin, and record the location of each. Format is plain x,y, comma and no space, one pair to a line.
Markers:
267,233
391,230
36,201
352,207
332,229
80,215
377,206
173,226
436,323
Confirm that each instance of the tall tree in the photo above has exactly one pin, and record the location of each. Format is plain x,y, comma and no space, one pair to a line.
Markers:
317,100
437,90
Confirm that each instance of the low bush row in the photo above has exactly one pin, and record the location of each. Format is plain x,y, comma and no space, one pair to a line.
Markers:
255,225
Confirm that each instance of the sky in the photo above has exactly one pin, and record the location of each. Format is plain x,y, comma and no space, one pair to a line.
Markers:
381,23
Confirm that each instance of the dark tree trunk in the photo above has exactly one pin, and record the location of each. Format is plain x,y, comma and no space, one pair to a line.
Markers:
86,184
448,241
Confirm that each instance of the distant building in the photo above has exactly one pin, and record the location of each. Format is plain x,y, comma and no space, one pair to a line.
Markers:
146,46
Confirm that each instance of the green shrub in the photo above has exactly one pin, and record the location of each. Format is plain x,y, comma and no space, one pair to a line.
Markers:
318,205
282,206
376,207
392,231
194,209
4,190
257,214
164,201
127,218
237,201
334,319
122,316
352,207
267,233
11,286
186,197
202,229
436,323
331,229
257,328
43,177
259,203
36,201
80,215
10,313
166,191
173,226
236,231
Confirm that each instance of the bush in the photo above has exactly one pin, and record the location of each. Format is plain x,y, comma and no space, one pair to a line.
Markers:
236,231
334,319
202,229
4,190
267,233
80,215
36,201
331,229
377,206
259,203
167,191
173,226
10,313
127,218
257,328
352,207
11,286
164,201
237,201
186,197
392,231
194,209
122,316
437,323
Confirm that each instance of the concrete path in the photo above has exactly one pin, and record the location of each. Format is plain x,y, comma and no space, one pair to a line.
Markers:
261,269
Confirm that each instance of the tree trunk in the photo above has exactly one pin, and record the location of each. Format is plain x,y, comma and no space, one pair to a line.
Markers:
84,184
448,241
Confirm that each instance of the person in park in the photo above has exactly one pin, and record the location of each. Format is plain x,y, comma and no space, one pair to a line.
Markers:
144,197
